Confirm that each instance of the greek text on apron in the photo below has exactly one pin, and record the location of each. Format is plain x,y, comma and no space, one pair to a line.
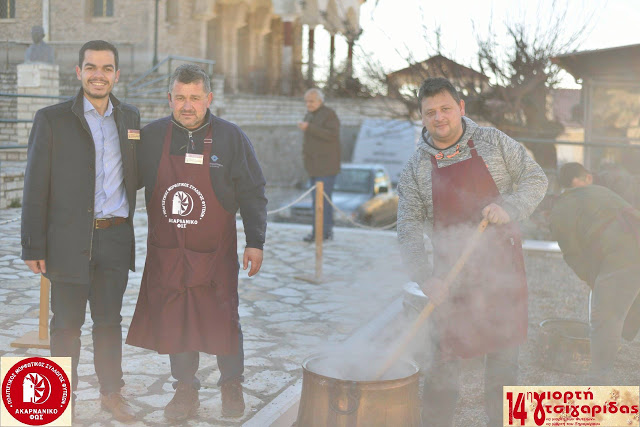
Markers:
188,298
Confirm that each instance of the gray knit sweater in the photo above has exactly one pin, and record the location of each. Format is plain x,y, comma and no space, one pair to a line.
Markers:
520,180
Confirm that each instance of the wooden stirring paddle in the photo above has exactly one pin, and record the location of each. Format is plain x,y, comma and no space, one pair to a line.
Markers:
453,273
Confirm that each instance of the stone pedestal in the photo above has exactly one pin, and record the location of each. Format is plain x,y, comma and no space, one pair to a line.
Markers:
35,79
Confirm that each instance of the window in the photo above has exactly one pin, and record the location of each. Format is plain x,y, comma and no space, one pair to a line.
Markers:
353,181
102,8
7,9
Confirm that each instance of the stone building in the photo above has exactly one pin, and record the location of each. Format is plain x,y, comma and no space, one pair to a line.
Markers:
256,44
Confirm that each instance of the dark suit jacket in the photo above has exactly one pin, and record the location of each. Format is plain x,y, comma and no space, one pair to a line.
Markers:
321,149
59,187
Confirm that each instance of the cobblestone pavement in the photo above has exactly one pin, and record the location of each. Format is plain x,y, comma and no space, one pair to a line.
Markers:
284,319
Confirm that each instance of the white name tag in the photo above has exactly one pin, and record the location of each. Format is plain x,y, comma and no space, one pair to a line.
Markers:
194,159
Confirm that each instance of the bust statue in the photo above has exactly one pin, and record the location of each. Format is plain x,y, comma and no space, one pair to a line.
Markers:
39,51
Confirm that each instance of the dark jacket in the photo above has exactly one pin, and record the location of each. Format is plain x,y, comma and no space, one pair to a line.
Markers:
597,231
321,149
236,176
59,187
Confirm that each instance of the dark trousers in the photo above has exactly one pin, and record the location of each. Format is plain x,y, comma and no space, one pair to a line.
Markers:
184,366
441,387
327,220
109,271
614,295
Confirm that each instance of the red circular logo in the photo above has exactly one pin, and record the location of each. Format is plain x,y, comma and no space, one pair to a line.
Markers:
36,391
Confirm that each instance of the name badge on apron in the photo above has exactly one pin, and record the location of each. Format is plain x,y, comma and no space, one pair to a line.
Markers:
194,159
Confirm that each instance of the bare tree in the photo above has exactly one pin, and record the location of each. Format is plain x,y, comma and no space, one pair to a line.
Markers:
514,77
522,75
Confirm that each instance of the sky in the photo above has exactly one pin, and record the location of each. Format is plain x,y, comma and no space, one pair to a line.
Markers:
394,27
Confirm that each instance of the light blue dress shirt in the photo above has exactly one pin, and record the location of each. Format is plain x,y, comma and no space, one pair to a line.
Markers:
110,195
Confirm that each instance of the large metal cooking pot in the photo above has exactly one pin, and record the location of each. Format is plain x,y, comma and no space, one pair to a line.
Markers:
564,345
328,401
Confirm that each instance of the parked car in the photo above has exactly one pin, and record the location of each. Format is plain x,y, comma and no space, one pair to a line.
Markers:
362,191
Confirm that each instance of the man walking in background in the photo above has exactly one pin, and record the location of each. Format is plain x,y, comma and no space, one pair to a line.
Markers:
321,152
77,215
460,174
197,170
599,234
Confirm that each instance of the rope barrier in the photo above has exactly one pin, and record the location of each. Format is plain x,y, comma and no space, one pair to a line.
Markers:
357,224
292,203
9,221
282,208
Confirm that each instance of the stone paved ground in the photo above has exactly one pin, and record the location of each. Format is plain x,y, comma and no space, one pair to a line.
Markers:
284,319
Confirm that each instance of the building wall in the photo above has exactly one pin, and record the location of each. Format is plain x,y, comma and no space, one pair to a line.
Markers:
183,35
270,122
28,14
128,29
183,29
131,29
73,20
11,187
8,106
244,38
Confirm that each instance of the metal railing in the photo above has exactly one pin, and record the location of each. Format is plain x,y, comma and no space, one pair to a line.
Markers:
132,90
54,97
24,95
135,88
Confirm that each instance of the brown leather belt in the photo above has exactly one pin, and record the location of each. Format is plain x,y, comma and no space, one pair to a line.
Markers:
101,223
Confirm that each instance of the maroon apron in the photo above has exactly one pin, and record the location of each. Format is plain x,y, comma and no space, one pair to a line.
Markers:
487,305
188,298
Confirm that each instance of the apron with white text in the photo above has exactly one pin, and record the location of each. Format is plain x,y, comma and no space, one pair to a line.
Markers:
189,293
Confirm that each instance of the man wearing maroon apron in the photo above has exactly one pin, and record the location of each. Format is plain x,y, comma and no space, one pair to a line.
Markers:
460,174
197,170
